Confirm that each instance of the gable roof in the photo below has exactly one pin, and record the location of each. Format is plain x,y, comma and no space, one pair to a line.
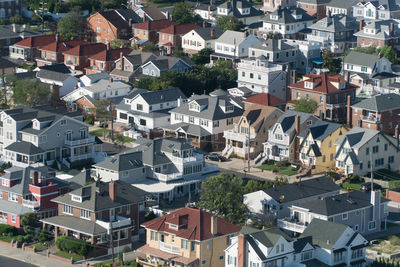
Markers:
379,103
343,3
61,46
195,224
205,33
86,49
357,137
110,54
164,63
300,190
235,5
161,96
232,37
25,148
287,119
273,45
120,17
264,99
362,59
320,130
153,12
288,15
323,83
336,23
179,29
56,72
155,24
37,41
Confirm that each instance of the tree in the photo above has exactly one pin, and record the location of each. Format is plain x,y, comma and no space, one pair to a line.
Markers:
183,13
29,222
150,47
304,105
117,43
203,56
229,23
223,195
331,63
71,26
17,19
102,113
29,92
385,51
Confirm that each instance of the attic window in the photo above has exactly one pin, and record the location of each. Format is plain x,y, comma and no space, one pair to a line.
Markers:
194,107
76,198
173,226
308,85
229,108
63,122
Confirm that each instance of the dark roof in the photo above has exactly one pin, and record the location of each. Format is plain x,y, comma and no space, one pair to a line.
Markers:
205,33
304,189
288,15
4,64
336,23
153,12
25,148
76,224
235,4
320,130
56,72
161,96
380,103
287,119
83,178
120,17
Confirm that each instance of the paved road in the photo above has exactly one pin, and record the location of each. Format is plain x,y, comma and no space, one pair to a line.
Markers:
9,262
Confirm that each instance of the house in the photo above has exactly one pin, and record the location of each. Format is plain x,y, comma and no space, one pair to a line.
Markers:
317,145
187,236
106,26
46,135
29,48
241,92
250,131
59,77
315,8
282,142
98,210
233,45
275,51
364,212
77,58
264,99
278,200
150,13
331,92
166,168
344,7
170,38
105,60
285,22
10,8
126,66
272,5
148,31
13,33
243,10
200,38
366,71
25,190
261,76
155,67
53,53
206,11
380,112
204,118
308,54
334,32
378,33
376,10
147,110
360,147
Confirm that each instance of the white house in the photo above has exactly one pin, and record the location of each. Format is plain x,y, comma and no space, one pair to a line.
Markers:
376,10
200,38
367,64
360,147
146,110
243,10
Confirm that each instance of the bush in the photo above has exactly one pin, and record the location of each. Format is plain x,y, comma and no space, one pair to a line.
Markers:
282,164
19,239
78,246
8,230
44,236
28,238
394,184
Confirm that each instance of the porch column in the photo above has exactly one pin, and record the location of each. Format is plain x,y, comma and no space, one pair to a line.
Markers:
92,240
55,232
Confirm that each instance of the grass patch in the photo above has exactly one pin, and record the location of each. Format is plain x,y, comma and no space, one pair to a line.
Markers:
351,185
284,170
99,132
7,239
64,254
39,246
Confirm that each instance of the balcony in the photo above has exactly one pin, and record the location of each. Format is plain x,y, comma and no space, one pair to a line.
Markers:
241,137
315,38
169,248
252,66
118,222
81,157
167,177
370,119
78,142
194,158
291,225
32,204
337,105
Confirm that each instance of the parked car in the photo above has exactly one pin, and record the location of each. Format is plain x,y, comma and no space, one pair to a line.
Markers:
367,187
215,157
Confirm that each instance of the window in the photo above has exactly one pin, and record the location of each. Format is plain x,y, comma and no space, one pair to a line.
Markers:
375,149
278,137
338,256
67,209
367,151
13,218
5,182
345,216
386,147
391,159
139,107
63,122
192,246
371,225
85,214
357,253
153,236
306,255
184,244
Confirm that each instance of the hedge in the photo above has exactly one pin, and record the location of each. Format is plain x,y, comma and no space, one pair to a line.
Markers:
71,244
6,229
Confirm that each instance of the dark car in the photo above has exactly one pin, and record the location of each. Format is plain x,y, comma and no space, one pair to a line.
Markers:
367,186
216,157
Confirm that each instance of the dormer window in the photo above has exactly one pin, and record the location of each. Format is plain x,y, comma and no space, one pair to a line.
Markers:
308,85
194,107
229,109
173,226
76,198
342,85
274,17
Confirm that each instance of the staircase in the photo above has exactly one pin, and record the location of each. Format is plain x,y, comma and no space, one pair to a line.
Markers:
229,153
263,160
258,158
225,150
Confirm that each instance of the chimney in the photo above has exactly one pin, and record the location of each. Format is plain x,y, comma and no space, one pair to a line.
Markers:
35,177
294,76
214,224
297,124
14,27
144,18
245,34
349,110
391,29
347,76
179,102
121,56
111,190
130,23
242,249
361,24
212,33
108,46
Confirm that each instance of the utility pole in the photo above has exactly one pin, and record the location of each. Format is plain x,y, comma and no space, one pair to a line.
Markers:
248,148
112,122
112,241
372,171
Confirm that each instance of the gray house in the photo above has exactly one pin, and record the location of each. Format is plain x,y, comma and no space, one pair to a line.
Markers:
165,63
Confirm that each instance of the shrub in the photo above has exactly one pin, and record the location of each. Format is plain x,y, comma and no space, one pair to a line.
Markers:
275,170
8,230
28,238
394,240
44,236
19,238
281,164
78,246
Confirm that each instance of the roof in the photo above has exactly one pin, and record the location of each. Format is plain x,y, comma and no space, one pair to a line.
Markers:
21,31
25,148
258,115
95,196
336,23
380,30
287,119
274,45
120,17
323,83
318,2
304,189
37,41
264,99
320,130
362,59
179,29
56,72
155,24
76,224
232,37
339,204
111,54
357,137
161,96
86,49
379,103
205,33
188,128
288,15
9,207
83,178
195,224
234,5
4,64
348,4
62,46
317,230
153,12
167,62
105,85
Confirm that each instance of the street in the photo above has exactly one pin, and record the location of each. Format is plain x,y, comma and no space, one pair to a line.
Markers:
9,262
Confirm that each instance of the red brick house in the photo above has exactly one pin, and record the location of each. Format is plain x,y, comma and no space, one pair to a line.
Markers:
265,99
170,38
29,48
378,33
10,8
380,112
105,60
53,53
331,92
77,58
315,8
148,30
25,190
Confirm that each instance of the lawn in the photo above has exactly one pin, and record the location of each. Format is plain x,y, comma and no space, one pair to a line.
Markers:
64,254
351,185
99,132
109,263
7,239
284,170
39,246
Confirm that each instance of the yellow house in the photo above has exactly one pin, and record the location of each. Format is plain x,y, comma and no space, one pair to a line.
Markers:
317,145
187,237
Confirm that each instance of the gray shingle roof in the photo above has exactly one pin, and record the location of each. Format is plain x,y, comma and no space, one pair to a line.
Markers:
205,33
343,3
287,119
362,59
320,130
235,4
190,129
318,2
231,37
381,30
336,23
287,15
161,96
167,62
274,45
299,190
25,148
76,224
13,208
357,137
380,103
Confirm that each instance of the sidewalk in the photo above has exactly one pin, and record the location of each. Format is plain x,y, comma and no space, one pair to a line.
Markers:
32,258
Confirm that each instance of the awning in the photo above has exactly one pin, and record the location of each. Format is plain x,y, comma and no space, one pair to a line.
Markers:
357,247
318,60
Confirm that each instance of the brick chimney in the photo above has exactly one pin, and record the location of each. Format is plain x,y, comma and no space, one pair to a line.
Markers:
35,177
130,23
361,24
121,56
212,33
214,224
241,250
294,76
391,29
297,124
349,110
111,190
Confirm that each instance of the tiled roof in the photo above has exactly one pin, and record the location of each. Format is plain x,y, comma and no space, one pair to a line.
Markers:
380,103
86,49
155,24
62,46
179,29
264,99
110,55
324,83
195,224
37,41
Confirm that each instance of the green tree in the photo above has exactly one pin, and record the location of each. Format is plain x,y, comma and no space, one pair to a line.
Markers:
183,13
150,47
30,92
29,222
17,19
223,195
387,52
102,113
229,23
330,62
71,26
203,56
304,105
117,43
